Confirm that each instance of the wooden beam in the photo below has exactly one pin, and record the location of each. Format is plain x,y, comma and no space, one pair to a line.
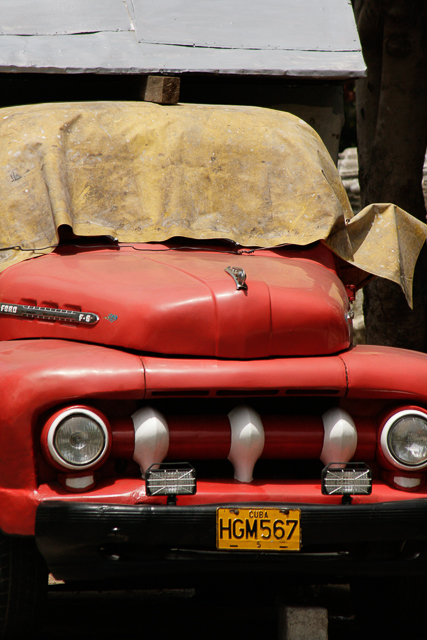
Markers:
161,89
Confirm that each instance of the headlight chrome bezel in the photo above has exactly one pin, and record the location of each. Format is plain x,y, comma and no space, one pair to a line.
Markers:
384,439
50,430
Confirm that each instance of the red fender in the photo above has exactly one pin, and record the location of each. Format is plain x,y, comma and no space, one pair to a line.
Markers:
386,373
37,375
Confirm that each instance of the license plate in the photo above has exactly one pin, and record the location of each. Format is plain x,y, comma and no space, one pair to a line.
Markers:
258,529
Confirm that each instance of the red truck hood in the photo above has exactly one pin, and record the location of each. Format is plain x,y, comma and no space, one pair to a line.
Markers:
183,302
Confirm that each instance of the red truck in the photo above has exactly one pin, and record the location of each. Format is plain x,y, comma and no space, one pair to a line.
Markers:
182,398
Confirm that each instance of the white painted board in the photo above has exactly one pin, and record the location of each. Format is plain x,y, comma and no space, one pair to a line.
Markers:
294,38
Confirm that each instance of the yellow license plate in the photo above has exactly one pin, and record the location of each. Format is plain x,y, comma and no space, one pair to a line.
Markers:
258,529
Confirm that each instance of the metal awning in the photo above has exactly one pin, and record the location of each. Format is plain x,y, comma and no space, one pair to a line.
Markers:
296,38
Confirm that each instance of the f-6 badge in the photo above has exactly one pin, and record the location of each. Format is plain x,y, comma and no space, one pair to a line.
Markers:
46,313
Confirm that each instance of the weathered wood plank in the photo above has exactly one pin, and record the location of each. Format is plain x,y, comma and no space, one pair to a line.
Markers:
161,89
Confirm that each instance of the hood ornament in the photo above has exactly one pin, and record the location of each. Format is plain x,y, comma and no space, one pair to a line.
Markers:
238,275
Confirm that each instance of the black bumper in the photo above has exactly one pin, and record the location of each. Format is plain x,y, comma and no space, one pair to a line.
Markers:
99,541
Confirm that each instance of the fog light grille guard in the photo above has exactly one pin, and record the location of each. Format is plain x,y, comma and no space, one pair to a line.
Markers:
346,479
171,479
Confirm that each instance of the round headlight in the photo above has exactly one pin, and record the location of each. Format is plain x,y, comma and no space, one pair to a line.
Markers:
404,439
77,438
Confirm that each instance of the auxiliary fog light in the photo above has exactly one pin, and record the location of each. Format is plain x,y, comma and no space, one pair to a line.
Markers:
171,479
346,479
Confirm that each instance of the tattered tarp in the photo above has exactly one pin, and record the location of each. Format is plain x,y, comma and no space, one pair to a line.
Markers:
143,172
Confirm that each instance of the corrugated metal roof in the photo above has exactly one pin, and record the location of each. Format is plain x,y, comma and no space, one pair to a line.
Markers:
301,38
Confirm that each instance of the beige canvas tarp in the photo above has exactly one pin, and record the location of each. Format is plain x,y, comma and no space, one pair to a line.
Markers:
143,172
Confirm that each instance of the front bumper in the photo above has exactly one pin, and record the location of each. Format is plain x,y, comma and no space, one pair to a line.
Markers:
101,541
